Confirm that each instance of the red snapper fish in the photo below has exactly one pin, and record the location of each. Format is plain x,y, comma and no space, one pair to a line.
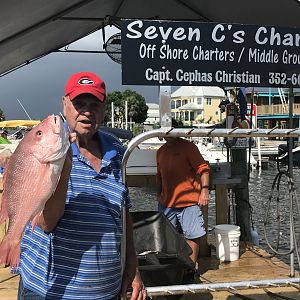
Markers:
29,180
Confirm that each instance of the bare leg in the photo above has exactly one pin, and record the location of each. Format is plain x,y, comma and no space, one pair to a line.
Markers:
190,275
194,244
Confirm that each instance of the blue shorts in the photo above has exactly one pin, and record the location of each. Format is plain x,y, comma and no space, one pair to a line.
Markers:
187,220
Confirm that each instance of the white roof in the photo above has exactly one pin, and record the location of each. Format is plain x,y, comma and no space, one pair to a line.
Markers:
190,106
198,91
152,105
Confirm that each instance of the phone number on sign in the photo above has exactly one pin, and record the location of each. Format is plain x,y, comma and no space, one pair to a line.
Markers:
281,78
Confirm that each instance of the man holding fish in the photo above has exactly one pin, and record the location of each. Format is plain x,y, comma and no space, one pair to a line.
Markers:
71,247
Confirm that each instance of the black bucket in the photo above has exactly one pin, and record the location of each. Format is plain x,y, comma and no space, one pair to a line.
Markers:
163,253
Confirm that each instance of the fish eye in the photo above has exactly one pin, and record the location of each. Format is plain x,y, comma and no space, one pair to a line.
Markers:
39,133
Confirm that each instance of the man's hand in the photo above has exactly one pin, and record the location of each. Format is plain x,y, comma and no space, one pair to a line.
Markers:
138,291
72,137
204,184
203,197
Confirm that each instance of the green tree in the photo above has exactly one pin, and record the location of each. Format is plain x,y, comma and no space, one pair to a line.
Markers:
117,98
136,105
2,116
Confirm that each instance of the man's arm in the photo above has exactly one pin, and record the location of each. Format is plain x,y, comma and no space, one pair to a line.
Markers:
131,276
55,206
204,194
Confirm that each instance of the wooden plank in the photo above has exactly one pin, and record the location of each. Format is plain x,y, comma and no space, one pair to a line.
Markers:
241,191
221,204
8,284
141,180
204,248
254,264
257,294
3,226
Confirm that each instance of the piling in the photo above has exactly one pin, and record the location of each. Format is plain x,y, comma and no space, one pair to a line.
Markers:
241,191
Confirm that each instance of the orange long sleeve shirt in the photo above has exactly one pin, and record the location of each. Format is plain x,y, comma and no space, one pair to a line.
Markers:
178,162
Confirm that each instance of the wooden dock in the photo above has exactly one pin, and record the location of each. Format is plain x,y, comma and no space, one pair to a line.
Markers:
254,264
8,285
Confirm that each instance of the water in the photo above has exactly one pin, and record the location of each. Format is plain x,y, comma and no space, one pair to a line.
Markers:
278,218
260,185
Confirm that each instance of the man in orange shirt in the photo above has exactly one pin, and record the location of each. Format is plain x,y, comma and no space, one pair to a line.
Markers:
183,181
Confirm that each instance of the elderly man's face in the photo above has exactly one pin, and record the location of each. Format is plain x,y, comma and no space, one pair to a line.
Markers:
84,114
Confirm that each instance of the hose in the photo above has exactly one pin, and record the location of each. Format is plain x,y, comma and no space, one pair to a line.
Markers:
293,200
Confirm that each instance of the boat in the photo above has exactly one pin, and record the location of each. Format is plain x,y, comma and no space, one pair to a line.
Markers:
143,160
18,123
215,151
16,130
283,156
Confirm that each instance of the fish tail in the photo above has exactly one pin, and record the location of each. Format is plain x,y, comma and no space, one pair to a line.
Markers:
10,252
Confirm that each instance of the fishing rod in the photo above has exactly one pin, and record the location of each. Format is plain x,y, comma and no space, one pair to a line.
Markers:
24,109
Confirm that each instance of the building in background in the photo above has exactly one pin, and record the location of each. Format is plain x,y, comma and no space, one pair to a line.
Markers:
152,114
273,106
200,104
197,104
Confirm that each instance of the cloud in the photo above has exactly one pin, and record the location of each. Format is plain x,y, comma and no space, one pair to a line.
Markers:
40,85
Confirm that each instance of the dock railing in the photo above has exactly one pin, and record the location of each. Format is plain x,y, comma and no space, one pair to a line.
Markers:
276,109
203,132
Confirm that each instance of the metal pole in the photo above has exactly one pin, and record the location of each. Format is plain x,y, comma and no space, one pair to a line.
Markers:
290,168
126,114
251,126
165,106
291,125
216,287
27,114
258,142
205,132
112,116
259,153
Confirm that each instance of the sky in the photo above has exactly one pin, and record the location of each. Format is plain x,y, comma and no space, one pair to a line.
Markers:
39,86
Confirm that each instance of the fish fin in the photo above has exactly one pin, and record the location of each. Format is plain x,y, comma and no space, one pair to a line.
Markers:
34,221
10,252
56,184
3,209
3,212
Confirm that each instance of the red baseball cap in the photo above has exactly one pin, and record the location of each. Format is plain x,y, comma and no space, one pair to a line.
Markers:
85,83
